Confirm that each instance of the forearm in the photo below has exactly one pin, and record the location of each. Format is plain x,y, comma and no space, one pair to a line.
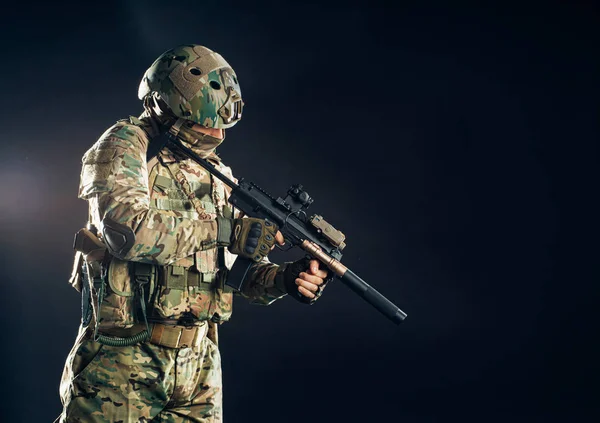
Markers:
160,237
264,283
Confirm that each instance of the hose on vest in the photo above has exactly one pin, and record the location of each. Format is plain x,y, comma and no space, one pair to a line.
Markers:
142,277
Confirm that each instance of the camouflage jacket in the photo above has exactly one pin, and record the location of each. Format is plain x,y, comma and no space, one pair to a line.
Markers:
172,232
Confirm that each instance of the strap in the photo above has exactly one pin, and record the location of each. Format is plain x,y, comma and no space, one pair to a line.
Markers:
142,277
218,187
179,278
213,332
178,336
75,280
152,175
176,127
182,206
86,297
175,171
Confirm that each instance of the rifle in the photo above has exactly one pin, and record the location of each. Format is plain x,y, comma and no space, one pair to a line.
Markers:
313,234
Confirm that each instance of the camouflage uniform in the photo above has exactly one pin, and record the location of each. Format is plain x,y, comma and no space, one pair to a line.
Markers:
176,232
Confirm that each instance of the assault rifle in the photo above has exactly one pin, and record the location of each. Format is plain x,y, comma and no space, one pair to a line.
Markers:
313,234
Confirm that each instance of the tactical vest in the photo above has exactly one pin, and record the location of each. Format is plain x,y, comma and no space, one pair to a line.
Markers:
191,286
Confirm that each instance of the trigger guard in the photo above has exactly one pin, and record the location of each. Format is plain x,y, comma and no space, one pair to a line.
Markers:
287,244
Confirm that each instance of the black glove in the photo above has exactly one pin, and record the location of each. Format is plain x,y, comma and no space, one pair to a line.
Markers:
291,272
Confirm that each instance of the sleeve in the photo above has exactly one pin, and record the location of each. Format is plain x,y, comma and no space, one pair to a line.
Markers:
264,283
114,180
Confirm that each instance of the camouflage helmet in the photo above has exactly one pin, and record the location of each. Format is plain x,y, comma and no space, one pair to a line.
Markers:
197,84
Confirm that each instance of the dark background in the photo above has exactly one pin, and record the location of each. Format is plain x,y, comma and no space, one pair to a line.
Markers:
455,145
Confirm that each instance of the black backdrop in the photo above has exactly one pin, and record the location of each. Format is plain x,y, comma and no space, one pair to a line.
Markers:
455,146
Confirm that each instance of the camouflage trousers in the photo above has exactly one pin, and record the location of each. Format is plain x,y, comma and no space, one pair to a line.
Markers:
141,383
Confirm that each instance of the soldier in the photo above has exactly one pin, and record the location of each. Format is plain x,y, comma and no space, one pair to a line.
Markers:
160,241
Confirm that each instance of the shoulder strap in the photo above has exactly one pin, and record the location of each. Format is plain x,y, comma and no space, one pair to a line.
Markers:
175,171
155,145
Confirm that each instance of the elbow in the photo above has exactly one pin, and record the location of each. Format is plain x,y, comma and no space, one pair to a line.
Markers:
119,238
122,243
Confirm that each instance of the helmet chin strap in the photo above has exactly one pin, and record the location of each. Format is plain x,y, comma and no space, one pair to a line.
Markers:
176,127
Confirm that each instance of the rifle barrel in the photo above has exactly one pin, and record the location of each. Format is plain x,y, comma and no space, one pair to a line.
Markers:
356,284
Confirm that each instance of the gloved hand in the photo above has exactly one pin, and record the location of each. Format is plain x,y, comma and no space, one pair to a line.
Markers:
304,281
249,237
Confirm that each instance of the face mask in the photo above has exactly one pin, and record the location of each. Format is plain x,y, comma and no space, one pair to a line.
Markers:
202,144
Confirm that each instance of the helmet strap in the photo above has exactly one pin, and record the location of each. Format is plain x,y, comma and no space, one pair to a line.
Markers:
176,127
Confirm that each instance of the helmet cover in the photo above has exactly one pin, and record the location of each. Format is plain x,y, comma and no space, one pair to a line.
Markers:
197,84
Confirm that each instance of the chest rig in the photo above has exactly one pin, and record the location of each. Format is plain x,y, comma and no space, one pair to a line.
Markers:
189,290
195,284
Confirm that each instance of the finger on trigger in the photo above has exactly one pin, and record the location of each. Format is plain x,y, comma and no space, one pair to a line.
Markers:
279,238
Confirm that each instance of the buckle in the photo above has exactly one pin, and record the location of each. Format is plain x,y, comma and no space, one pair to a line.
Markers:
187,336
209,277
142,272
177,336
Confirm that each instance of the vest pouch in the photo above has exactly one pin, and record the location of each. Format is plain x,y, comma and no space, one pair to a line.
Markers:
172,298
222,304
219,297
119,307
